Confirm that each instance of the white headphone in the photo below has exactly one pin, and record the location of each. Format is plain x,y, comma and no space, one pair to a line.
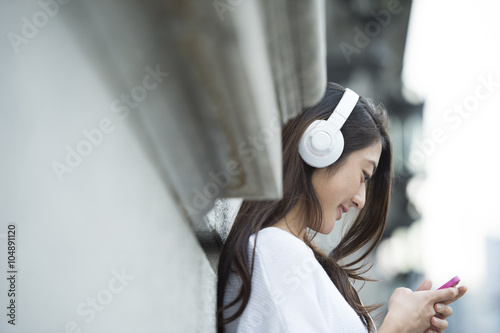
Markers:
322,142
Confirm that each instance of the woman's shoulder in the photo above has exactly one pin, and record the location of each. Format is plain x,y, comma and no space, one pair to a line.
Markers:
276,243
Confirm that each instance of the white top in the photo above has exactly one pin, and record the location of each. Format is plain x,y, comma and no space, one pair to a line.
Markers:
291,291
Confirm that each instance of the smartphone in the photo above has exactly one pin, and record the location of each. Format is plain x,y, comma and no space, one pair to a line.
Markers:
452,283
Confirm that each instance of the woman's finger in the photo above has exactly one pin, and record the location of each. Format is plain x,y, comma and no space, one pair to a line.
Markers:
425,285
461,291
438,324
443,311
444,296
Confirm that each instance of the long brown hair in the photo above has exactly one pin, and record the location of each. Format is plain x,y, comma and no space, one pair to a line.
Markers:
366,125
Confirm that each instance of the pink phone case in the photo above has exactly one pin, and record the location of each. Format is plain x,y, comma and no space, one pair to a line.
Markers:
452,283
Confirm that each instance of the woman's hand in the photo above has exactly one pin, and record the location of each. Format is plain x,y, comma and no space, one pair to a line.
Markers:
443,310
415,312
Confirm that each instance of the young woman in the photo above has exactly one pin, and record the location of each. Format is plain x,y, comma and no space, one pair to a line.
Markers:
271,276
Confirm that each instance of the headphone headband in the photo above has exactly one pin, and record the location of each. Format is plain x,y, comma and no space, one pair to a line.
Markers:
344,108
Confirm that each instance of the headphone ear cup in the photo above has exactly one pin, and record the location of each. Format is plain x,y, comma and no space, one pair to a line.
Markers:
322,144
338,147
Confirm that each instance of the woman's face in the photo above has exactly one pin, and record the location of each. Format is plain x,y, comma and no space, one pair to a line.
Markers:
346,187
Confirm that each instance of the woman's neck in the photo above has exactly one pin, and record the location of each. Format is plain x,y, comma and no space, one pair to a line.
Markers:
292,223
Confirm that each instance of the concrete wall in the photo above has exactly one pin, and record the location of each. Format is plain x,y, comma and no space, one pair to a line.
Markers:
103,248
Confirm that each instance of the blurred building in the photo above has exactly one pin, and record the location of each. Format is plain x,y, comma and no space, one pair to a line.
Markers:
366,42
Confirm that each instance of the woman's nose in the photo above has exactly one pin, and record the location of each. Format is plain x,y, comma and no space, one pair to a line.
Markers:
359,198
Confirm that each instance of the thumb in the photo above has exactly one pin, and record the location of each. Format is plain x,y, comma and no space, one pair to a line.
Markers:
425,285
442,295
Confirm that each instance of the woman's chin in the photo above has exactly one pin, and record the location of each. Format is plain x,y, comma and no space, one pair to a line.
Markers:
326,230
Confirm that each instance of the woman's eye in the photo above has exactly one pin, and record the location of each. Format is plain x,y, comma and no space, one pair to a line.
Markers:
367,178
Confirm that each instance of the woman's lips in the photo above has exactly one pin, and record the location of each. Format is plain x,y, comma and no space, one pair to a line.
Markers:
342,209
